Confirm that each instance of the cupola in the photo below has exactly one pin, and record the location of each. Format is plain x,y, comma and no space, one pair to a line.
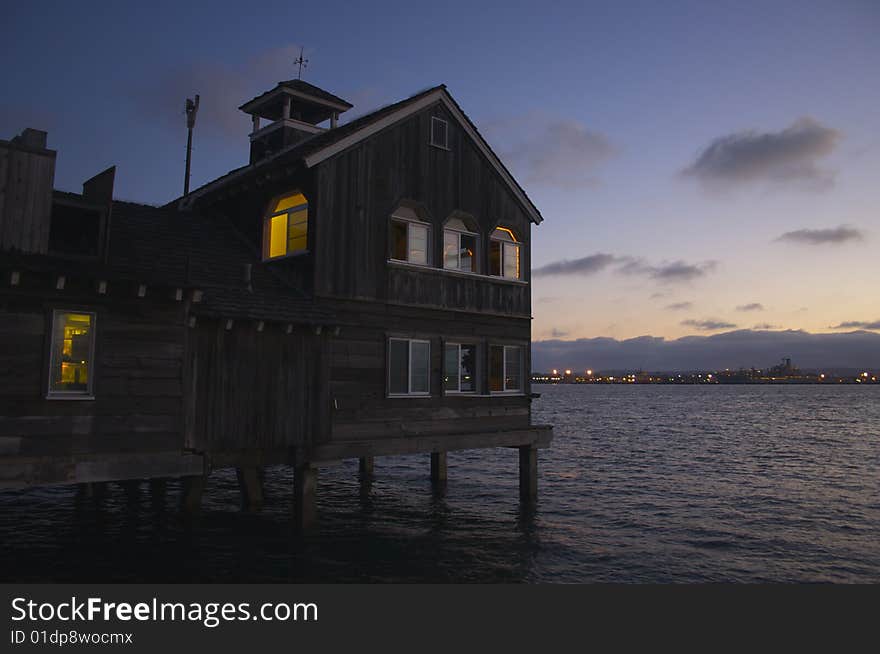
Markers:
294,110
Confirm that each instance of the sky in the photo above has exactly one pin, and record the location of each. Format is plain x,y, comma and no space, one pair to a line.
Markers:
702,168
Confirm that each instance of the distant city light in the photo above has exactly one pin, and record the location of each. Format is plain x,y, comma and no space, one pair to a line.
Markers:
555,371
589,372
568,372
864,374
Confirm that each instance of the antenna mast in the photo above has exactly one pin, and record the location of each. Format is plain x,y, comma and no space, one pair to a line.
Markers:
192,108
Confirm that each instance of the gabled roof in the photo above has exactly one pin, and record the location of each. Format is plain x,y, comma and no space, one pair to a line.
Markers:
315,149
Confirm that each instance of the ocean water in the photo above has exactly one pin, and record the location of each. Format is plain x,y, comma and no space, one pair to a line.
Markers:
642,484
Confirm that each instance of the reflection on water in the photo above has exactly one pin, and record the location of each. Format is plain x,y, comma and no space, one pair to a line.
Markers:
660,483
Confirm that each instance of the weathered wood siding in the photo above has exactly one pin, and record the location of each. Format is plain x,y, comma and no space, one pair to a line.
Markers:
137,385
358,374
358,190
26,179
249,389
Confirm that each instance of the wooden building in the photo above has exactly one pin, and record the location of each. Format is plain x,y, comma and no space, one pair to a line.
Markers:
356,290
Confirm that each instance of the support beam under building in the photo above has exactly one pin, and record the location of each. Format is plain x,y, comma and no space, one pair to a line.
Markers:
366,467
305,490
191,494
250,482
528,473
438,467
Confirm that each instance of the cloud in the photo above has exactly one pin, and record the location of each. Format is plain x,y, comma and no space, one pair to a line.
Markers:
666,272
561,153
734,349
790,155
765,325
708,325
858,324
669,272
754,306
583,266
679,306
833,236
558,333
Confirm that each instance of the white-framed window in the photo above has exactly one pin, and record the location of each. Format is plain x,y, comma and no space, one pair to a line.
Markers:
460,245
72,354
409,366
410,237
506,365
504,254
460,368
439,133
286,226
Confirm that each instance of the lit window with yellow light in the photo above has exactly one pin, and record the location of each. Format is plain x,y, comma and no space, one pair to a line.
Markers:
504,254
286,226
72,355
460,245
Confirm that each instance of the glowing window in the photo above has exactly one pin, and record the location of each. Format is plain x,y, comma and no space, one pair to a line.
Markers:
504,254
72,355
286,227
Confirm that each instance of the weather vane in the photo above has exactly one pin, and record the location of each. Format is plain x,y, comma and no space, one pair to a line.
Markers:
302,63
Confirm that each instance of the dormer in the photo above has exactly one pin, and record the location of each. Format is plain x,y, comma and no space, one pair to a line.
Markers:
294,110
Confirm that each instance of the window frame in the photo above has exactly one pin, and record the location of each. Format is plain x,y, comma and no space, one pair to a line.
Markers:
409,222
476,372
431,142
89,392
522,370
476,258
409,368
502,245
267,234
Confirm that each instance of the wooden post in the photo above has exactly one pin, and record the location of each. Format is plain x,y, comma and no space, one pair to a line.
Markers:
251,484
305,489
191,493
438,467
158,485
528,473
366,467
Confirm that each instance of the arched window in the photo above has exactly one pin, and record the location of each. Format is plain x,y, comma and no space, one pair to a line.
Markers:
410,237
460,244
504,254
286,226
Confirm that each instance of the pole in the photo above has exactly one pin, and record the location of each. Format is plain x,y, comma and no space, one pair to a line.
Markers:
191,109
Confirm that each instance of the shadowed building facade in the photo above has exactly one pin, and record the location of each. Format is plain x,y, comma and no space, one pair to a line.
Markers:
356,290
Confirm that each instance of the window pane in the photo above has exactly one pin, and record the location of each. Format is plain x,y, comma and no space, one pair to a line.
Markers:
277,226
467,253
420,365
496,368
418,243
513,368
438,132
511,260
468,368
450,250
288,201
398,240
494,258
71,352
450,368
398,366
297,231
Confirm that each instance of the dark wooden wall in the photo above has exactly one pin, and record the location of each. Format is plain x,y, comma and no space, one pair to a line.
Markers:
358,190
249,389
137,382
26,178
358,374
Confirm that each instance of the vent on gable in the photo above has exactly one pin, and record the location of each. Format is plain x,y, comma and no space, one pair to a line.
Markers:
439,133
